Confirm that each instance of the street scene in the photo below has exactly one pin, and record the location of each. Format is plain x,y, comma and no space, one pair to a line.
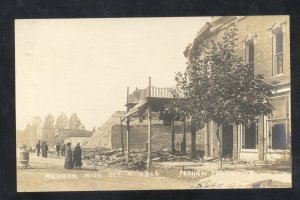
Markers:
138,104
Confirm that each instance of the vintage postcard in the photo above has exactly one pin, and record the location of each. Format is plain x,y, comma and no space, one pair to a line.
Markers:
153,103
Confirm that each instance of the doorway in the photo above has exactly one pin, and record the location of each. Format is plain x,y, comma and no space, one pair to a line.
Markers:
227,140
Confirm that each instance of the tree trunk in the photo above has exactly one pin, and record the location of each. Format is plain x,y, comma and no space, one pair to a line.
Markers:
184,138
220,152
193,142
172,137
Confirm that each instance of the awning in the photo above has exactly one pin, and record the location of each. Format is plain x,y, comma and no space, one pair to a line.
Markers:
139,106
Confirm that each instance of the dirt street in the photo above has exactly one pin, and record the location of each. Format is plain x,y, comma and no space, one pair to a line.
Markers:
48,174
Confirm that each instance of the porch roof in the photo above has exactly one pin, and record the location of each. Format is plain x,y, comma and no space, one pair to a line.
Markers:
156,104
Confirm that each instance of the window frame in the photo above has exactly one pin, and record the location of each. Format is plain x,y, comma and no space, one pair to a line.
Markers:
275,54
247,54
243,138
286,122
270,120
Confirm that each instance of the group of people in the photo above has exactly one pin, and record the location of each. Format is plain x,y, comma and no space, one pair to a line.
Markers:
72,158
42,147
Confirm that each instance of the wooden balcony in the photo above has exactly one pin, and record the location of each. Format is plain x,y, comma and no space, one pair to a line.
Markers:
140,94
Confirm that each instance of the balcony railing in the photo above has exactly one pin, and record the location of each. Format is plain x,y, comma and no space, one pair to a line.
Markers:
156,92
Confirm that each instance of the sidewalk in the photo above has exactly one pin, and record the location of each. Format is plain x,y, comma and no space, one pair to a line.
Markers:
250,179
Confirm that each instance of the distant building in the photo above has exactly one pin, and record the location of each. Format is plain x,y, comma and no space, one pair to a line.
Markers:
52,136
75,136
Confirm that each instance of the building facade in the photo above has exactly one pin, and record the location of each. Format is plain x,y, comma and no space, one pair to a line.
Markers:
264,43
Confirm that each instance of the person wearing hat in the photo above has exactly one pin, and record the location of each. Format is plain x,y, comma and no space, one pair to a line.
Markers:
77,157
38,148
68,156
63,149
44,149
57,149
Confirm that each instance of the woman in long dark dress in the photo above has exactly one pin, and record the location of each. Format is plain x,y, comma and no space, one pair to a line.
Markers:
38,148
43,149
46,150
77,157
68,157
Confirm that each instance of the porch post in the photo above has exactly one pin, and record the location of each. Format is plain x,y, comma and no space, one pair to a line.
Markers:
149,139
149,130
121,132
128,131
128,139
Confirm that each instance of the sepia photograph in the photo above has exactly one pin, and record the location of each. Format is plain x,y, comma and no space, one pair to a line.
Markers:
153,103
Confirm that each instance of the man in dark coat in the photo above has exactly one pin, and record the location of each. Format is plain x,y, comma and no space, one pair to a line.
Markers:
68,157
63,149
43,149
57,149
77,157
38,148
46,150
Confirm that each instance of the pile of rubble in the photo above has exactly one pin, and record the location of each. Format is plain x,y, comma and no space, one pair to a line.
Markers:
114,158
137,160
163,155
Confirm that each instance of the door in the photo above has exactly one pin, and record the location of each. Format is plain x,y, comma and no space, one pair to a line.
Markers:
227,140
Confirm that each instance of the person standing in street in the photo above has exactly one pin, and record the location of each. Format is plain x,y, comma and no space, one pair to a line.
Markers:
68,157
63,149
46,150
77,157
58,149
38,148
43,149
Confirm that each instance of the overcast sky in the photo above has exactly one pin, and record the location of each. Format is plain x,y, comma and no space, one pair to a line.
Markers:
85,65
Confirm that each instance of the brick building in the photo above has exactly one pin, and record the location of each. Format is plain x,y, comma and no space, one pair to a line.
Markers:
161,136
108,136
263,42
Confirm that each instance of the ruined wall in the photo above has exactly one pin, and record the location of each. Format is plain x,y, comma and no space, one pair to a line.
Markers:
161,137
102,136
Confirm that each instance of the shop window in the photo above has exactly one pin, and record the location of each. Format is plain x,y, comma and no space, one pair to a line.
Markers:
250,136
278,137
278,124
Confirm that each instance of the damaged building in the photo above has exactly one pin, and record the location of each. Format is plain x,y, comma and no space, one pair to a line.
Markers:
112,134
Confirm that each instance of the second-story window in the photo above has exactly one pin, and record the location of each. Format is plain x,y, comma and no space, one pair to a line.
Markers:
249,58
277,52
